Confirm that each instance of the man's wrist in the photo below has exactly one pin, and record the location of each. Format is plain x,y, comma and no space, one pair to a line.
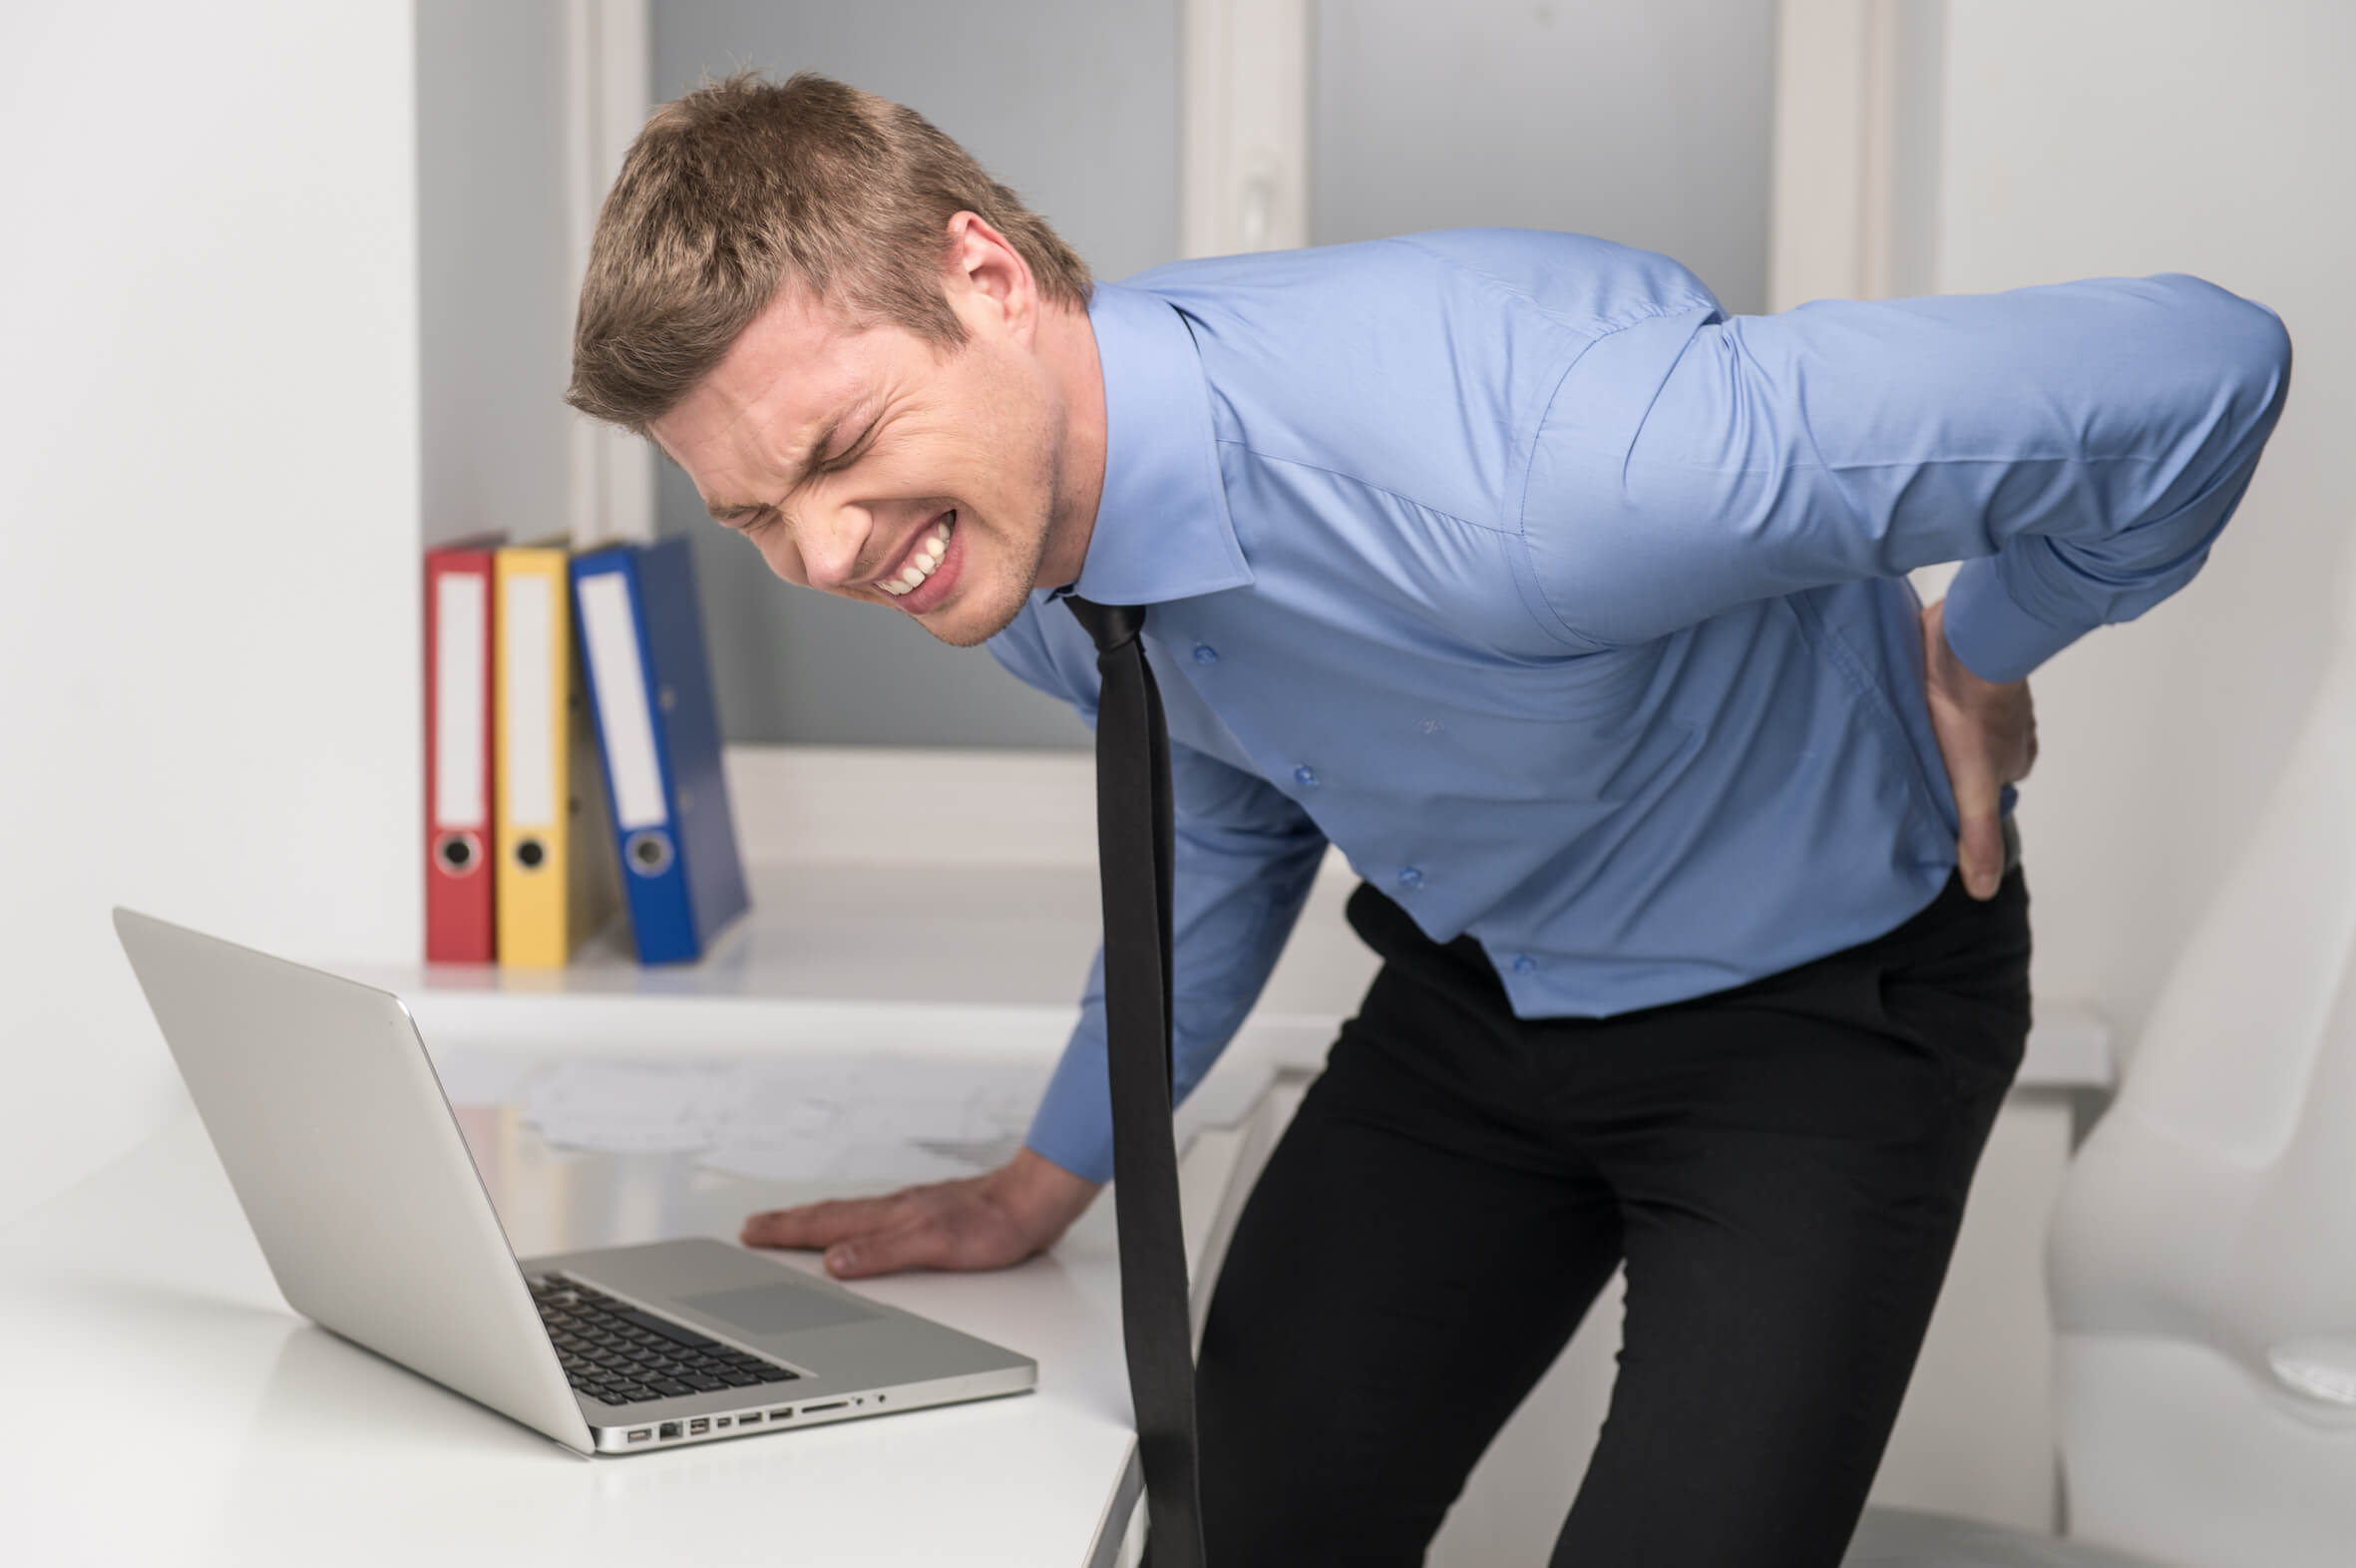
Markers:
1041,1193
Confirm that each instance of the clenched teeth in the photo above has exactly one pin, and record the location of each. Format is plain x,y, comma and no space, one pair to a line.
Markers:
925,562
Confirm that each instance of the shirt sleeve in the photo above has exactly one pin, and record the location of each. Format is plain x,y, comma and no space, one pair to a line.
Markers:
1245,857
2078,446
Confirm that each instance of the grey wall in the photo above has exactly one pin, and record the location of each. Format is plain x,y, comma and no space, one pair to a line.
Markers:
1073,103
1645,123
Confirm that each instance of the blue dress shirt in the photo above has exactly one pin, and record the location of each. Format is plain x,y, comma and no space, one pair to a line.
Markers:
1573,610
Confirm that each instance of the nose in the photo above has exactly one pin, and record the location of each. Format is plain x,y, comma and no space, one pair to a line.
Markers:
830,538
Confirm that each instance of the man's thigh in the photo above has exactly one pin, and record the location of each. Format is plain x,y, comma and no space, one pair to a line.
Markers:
1790,1209
1390,1296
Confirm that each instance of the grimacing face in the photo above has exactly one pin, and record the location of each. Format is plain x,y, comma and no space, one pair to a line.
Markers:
874,466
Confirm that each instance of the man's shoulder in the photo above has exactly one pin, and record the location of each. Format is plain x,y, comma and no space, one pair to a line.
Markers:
1416,366
1577,281
1589,283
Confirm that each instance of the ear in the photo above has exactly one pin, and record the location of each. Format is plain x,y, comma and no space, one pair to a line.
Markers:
989,285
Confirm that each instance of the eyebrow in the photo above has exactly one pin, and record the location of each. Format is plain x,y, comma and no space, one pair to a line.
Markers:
728,512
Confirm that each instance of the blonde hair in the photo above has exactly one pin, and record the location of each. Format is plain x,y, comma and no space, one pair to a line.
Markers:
746,185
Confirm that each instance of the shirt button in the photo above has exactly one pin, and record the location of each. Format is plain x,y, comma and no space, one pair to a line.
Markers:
1204,653
1305,777
1411,877
1523,964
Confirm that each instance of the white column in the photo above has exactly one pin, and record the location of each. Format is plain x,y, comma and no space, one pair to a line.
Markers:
606,102
1244,126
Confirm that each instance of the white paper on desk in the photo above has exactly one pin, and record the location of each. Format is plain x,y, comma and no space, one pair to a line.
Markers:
849,1118
878,1118
633,1107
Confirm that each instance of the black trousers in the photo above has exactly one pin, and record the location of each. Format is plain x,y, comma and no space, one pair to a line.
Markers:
1782,1167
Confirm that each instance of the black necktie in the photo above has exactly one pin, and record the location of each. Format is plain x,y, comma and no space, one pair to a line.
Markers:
1135,852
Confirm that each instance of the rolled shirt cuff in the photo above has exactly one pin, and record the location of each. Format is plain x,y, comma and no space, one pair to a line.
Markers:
1990,632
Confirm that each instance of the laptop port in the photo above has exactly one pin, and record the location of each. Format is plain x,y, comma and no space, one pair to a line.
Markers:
719,1423
750,1421
813,1409
699,1425
642,1435
669,1430
781,1416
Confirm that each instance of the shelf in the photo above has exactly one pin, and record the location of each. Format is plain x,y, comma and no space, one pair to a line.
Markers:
862,951
986,959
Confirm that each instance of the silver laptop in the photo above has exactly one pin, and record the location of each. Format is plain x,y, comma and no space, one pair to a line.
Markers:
324,1108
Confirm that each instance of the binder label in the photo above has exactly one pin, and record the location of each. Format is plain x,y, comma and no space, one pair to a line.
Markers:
461,603
620,676
528,634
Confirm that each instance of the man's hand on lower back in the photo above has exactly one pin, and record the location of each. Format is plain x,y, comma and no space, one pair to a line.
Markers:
1988,735
983,1222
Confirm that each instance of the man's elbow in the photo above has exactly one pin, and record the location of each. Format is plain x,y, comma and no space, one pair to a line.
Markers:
2262,361
2276,366
2250,350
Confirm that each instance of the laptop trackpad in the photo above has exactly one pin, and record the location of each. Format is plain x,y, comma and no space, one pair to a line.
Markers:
776,1309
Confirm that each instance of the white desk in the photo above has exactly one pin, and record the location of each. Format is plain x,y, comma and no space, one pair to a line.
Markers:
165,1407
172,1410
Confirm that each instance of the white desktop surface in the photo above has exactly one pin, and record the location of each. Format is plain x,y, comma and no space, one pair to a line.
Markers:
167,1407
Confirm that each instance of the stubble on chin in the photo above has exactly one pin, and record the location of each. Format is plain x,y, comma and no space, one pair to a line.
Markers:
992,606
1005,595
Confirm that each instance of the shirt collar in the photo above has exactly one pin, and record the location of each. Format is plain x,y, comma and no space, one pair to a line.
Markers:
1162,526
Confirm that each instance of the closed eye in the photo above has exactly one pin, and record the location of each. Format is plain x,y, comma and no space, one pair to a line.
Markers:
852,453
746,520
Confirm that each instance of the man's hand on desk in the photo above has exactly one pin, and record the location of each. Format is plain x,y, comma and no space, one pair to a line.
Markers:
982,1222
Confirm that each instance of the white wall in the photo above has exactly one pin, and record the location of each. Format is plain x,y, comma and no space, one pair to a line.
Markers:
209,664
234,419
2213,137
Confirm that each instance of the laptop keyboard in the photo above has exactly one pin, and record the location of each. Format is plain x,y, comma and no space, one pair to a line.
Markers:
617,1354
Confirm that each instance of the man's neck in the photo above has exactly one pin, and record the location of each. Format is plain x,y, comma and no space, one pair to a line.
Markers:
1067,342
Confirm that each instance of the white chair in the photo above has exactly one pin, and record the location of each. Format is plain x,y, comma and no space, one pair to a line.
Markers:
2203,1258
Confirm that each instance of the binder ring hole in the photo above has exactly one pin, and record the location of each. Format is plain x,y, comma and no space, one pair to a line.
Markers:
529,853
650,853
460,854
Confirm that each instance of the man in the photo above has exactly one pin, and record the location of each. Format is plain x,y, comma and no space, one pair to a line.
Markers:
1573,611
